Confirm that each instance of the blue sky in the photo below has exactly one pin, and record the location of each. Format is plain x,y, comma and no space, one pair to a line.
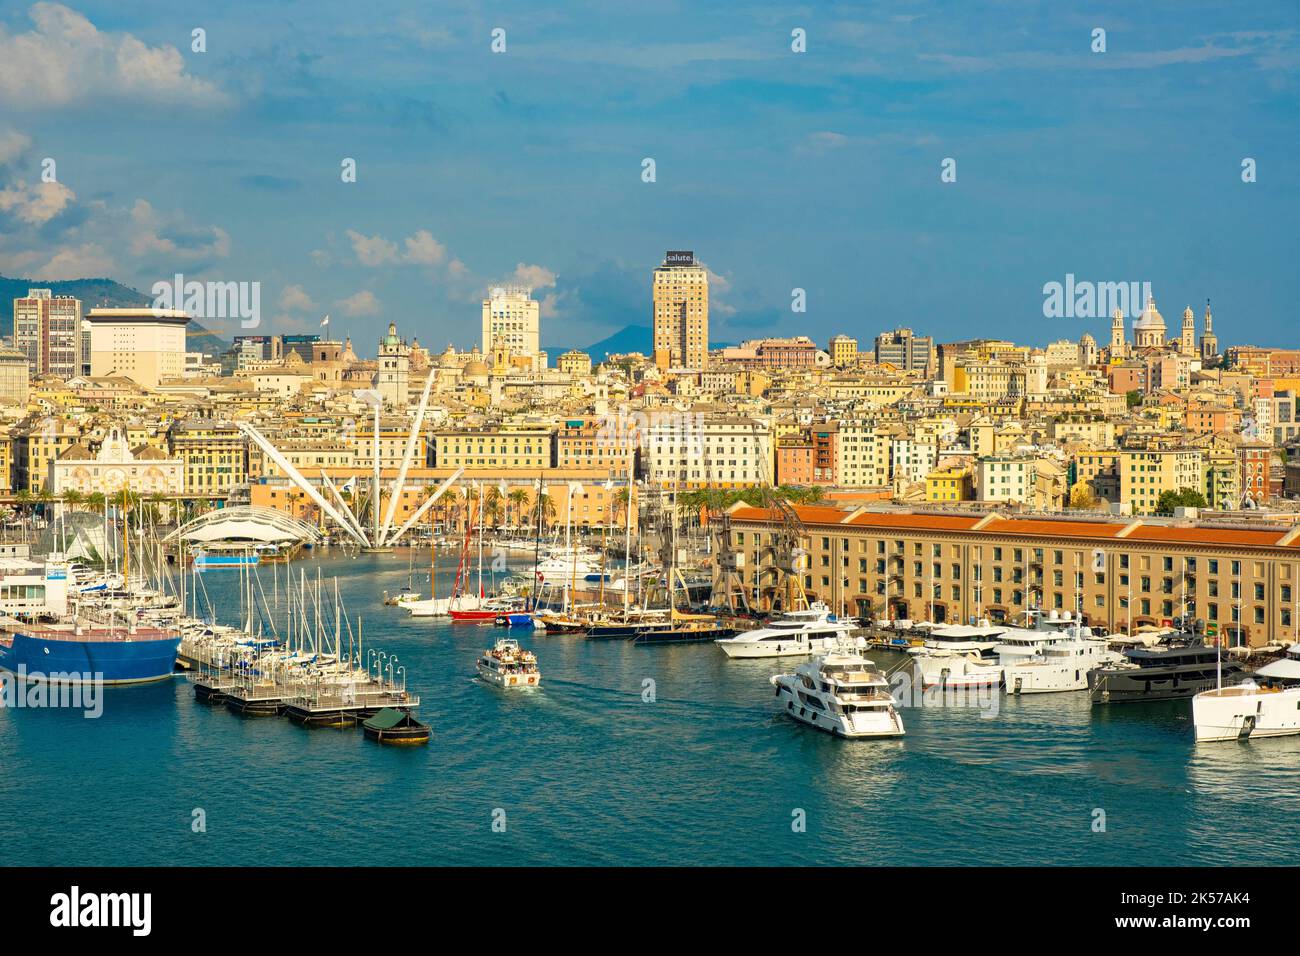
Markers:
817,170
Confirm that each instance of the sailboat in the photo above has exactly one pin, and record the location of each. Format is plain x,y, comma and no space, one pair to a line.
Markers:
408,593
680,627
471,607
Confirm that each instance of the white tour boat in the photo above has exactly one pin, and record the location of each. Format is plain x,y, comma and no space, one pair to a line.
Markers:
792,634
507,665
841,693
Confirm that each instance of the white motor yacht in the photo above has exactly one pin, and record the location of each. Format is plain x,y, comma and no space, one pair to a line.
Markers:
841,693
955,668
1059,666
1251,709
792,634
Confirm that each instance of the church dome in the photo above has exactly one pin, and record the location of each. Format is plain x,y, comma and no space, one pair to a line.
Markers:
1151,320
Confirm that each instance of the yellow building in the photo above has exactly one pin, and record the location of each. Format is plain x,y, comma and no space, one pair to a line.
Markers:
844,351
37,442
495,450
575,363
1144,474
948,484
215,456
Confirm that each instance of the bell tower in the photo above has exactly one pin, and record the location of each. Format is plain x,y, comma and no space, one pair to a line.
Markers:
1118,347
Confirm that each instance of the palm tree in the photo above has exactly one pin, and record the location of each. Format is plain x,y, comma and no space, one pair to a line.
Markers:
548,509
492,505
72,497
518,497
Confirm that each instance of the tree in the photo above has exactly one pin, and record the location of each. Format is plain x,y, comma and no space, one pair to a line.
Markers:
1182,498
1133,398
518,498
1082,497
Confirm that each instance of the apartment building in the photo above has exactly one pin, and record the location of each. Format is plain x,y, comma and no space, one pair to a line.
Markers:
685,450
1146,473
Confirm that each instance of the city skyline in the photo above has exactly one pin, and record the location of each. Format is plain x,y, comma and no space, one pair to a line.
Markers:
820,171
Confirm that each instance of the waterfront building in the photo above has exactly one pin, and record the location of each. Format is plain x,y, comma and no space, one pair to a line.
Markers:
685,451
146,345
214,454
38,440
499,451
1119,573
115,467
680,291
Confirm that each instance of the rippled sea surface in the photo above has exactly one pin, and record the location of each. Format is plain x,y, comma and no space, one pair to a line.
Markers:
585,771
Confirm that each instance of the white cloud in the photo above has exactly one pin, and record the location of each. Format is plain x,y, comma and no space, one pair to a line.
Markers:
37,204
533,276
372,250
422,249
67,59
363,303
294,299
418,249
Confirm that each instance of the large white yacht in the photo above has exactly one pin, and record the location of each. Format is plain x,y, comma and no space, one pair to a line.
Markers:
1250,709
841,693
792,634
1058,666
955,668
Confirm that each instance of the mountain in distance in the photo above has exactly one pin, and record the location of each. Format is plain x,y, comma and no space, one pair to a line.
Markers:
101,293
630,338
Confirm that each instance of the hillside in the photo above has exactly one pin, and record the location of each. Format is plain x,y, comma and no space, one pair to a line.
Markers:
98,292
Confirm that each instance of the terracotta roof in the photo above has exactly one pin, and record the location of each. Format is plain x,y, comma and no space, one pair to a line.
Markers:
1228,536
918,520
1046,526
815,515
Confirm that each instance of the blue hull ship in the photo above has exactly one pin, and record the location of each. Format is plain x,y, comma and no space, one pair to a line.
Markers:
78,655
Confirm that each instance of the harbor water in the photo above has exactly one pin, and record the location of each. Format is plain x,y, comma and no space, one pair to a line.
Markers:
627,755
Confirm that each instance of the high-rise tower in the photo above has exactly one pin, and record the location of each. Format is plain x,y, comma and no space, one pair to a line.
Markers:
681,312
511,318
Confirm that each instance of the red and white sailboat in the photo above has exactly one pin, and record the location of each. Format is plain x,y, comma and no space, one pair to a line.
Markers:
470,606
